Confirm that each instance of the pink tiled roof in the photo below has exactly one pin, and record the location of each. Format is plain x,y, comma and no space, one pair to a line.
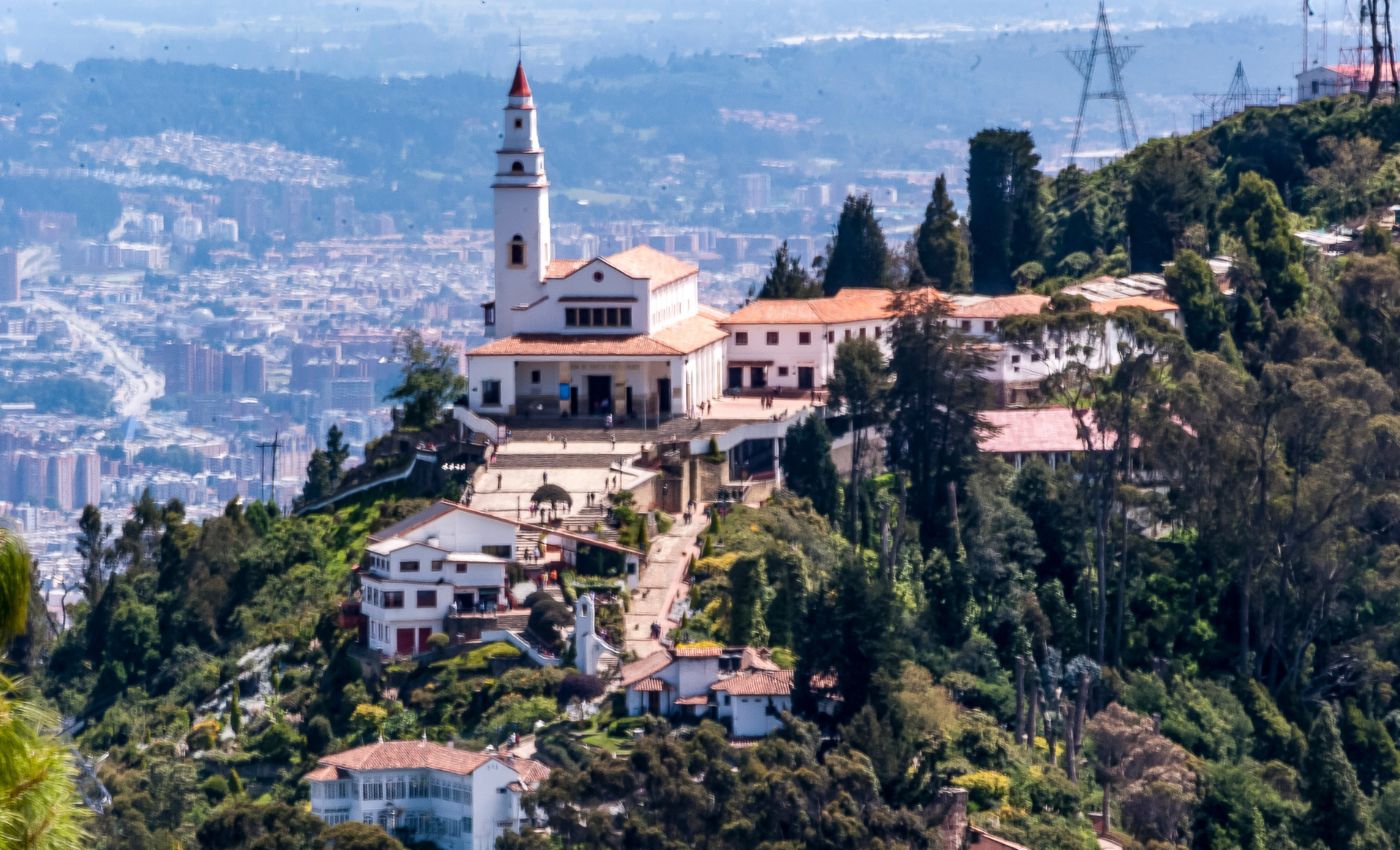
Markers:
646,263
324,773
1001,306
1151,305
683,337
408,755
650,685
1038,430
645,667
698,699
853,304
770,683
562,268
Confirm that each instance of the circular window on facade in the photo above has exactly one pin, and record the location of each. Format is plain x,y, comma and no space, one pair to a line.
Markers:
598,276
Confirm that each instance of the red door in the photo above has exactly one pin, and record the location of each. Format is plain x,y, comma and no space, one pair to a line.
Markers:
405,641
423,638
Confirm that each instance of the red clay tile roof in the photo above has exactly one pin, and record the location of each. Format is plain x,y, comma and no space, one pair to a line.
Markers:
562,268
646,263
650,685
761,683
1000,306
690,334
644,667
324,773
408,755
527,769
755,659
853,304
684,337
1151,305
698,699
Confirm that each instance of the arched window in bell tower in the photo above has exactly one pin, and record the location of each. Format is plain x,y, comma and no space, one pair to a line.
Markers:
517,167
517,252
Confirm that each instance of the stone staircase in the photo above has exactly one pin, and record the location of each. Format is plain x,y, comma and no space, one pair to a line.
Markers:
513,621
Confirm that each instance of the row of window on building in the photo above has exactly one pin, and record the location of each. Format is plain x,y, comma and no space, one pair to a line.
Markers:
413,823
803,337
418,787
597,317
395,598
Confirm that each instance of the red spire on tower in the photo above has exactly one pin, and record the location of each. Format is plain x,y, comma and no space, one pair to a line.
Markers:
520,87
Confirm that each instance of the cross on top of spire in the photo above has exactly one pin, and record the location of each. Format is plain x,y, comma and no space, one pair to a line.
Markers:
520,87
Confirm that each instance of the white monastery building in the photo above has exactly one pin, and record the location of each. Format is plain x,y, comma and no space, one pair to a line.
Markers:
627,335
623,334
424,791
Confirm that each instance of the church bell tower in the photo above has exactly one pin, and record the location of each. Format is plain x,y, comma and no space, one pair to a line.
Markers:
520,195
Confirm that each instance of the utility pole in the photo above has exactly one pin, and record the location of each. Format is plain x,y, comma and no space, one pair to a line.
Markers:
1084,61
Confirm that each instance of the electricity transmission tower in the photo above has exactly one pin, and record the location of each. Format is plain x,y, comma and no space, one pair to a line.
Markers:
1238,98
1084,61
264,468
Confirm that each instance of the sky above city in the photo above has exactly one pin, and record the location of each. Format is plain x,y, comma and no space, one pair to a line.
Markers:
370,37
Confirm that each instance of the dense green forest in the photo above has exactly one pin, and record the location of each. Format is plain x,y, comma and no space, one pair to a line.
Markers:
1198,625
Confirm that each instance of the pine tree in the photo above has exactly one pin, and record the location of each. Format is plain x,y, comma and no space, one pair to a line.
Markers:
1191,284
939,241
39,804
1337,813
1256,213
858,255
788,278
235,713
92,548
1006,217
1170,192
337,453
749,597
808,469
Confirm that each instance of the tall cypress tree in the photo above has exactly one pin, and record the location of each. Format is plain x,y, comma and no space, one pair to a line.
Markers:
942,253
787,278
1170,191
1006,217
1338,808
859,255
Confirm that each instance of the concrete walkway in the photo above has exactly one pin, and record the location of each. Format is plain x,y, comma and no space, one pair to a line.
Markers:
661,583
523,465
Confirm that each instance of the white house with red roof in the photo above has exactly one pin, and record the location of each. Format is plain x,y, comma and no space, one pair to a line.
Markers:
623,334
738,685
452,559
424,791
445,558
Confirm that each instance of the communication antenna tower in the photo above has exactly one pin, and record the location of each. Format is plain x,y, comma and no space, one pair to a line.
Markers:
1084,62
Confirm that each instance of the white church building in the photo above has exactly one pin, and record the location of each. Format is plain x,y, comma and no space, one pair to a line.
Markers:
627,335
624,334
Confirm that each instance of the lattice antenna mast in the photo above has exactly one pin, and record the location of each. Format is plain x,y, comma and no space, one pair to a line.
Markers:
1084,61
